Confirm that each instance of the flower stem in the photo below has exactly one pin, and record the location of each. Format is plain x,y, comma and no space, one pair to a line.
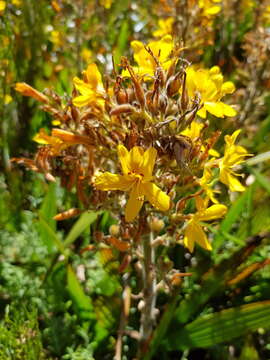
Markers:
148,310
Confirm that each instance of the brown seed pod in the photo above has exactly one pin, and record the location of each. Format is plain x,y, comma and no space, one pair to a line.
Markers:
122,109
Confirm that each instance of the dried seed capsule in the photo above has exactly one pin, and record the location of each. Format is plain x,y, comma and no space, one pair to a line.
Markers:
173,86
122,109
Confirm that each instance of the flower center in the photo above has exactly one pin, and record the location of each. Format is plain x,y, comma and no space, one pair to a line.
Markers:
135,175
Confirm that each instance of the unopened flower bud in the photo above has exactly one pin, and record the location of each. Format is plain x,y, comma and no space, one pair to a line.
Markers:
156,224
141,305
28,90
114,230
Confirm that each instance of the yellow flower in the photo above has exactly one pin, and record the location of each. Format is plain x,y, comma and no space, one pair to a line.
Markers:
205,183
165,27
16,2
211,88
266,15
137,167
193,132
56,38
209,8
7,99
106,3
233,155
194,231
147,65
91,88
55,143
86,54
2,6
60,139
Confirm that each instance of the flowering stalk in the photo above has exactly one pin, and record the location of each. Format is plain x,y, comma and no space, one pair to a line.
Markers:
138,148
148,308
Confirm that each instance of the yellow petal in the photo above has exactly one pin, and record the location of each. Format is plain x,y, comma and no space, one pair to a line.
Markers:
156,196
215,70
201,238
137,45
202,112
213,212
213,10
7,99
162,48
82,87
136,159
215,108
227,178
228,110
230,139
2,5
189,240
93,76
194,233
124,158
193,131
82,100
227,87
108,181
149,158
134,204
213,153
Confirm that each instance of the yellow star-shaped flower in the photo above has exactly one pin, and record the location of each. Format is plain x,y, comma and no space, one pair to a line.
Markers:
209,85
91,88
194,231
233,155
137,167
147,64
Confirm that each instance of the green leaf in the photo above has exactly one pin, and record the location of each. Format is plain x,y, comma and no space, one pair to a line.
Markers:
84,221
48,208
258,159
222,326
231,217
122,41
82,302
51,236
213,282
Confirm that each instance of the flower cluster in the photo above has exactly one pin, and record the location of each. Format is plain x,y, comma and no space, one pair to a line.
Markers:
149,123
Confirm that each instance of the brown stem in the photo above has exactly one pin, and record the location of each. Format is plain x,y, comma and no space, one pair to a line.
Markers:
148,310
123,318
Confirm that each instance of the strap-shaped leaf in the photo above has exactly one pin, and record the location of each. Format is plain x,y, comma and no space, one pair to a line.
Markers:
222,326
85,220
82,303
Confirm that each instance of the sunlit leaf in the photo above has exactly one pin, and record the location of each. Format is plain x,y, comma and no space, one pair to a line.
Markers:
222,326
81,224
